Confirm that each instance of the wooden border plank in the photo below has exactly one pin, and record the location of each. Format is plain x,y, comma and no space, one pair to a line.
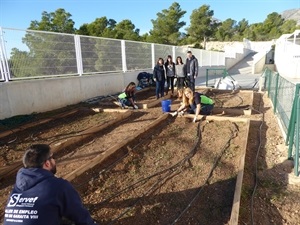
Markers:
100,158
57,147
234,217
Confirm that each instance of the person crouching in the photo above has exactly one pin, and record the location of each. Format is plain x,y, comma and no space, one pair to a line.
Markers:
195,103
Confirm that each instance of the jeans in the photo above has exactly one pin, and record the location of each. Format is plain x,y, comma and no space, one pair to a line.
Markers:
126,102
159,90
205,109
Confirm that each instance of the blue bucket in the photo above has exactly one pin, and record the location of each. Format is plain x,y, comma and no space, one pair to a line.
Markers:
166,105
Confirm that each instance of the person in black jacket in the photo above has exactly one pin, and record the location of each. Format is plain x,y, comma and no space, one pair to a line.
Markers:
40,198
159,76
191,69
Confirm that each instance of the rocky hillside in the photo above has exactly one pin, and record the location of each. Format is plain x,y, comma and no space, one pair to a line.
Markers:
292,14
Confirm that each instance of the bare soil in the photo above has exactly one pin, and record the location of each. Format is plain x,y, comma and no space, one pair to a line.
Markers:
177,173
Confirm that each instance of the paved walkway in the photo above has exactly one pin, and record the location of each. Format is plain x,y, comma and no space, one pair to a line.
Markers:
241,73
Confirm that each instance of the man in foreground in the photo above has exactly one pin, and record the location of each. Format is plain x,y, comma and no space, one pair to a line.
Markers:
40,198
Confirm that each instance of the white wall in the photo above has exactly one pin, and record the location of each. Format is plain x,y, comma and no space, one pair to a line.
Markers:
40,95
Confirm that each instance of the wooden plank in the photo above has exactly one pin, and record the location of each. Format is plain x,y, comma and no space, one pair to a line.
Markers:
234,217
217,118
74,140
57,147
100,158
232,111
36,123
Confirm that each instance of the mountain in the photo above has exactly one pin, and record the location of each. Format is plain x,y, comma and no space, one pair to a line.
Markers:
292,14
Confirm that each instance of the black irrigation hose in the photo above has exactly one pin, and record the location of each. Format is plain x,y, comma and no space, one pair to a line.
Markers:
166,177
149,191
182,161
115,162
233,135
256,160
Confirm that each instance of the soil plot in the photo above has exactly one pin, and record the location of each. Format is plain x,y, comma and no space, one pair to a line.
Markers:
184,174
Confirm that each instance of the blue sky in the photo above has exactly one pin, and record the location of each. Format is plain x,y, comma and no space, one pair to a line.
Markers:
19,13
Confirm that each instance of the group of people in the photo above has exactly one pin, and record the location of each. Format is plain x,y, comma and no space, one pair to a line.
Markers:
192,102
166,72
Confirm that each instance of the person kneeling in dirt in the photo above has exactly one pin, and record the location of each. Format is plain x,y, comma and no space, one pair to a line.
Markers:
127,98
38,197
194,103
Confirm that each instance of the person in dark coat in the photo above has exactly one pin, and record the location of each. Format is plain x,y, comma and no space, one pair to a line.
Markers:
191,69
40,198
159,76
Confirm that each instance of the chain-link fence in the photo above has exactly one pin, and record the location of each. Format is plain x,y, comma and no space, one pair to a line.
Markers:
284,95
35,54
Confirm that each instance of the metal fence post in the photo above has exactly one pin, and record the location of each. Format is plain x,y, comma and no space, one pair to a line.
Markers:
123,52
3,58
153,56
269,83
78,55
296,167
206,77
276,92
291,128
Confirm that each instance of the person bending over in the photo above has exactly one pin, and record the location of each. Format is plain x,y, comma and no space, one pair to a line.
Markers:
195,103
127,98
40,198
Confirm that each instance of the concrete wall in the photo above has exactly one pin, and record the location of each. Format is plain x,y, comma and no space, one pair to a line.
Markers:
230,62
40,95
258,66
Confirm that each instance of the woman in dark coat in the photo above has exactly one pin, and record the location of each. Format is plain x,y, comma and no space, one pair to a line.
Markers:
159,76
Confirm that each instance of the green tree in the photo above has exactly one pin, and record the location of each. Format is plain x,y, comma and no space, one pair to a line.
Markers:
226,30
240,28
202,25
289,26
58,21
126,30
167,25
100,27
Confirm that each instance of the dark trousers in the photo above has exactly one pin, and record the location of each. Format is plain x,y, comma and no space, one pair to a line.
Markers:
159,88
170,81
205,109
180,82
191,83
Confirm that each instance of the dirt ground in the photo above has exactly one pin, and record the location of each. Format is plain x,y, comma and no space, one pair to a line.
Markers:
176,173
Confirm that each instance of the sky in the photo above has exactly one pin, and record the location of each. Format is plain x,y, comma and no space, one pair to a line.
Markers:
18,14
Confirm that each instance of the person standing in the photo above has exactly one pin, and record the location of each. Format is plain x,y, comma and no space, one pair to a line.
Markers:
180,72
170,72
191,69
40,198
195,103
159,76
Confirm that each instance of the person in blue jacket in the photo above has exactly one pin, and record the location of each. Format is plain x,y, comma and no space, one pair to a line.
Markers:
40,198
159,76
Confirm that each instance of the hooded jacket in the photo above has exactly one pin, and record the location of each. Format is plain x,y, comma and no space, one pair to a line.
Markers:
40,198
